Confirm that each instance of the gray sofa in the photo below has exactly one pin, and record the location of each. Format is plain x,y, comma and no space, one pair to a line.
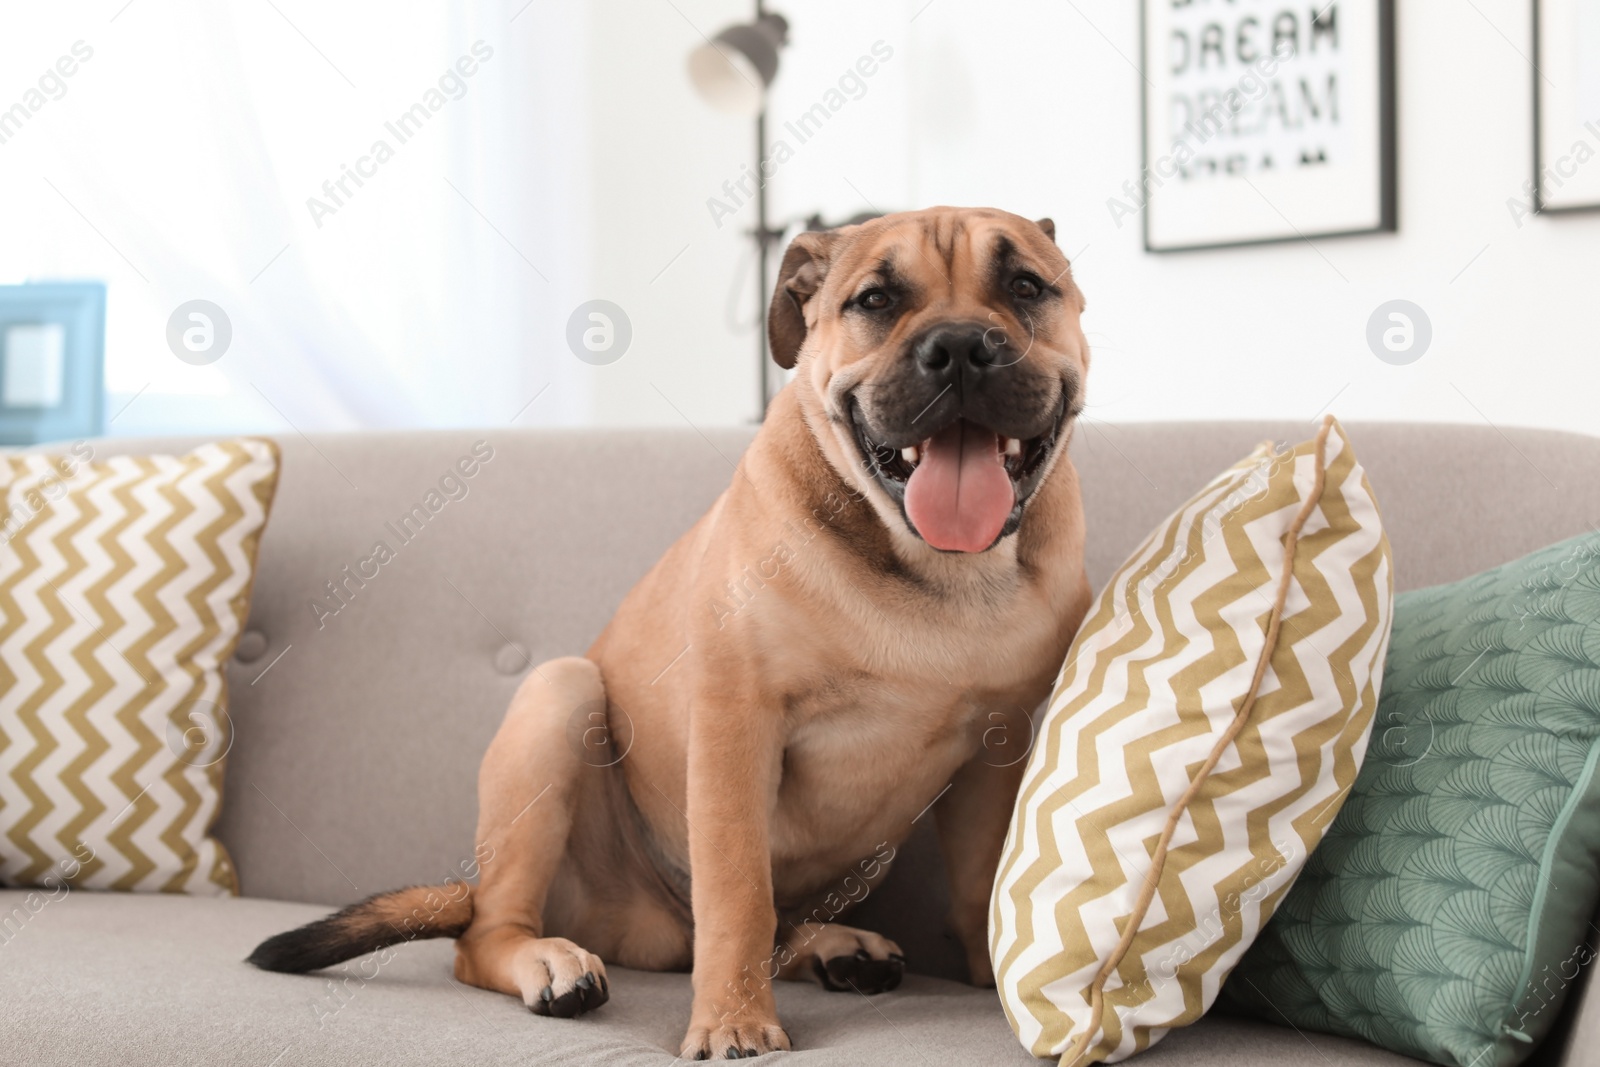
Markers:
358,733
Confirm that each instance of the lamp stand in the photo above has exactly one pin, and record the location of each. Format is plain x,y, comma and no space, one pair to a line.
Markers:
765,237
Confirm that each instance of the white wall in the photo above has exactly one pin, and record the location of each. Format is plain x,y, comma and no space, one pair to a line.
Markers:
656,153
1033,105
585,144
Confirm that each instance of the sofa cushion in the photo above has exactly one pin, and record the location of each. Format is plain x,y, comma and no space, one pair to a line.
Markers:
124,588
1447,913
1210,717
159,981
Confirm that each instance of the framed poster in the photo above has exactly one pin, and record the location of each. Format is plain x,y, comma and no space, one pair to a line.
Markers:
1267,120
1566,104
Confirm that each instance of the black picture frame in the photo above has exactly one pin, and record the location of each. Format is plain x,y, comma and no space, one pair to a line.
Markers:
1388,168
1540,161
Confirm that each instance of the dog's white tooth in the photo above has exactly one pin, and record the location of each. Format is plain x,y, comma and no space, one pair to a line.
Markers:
1013,446
909,454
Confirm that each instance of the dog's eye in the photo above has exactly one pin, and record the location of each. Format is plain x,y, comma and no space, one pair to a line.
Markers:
1024,287
873,300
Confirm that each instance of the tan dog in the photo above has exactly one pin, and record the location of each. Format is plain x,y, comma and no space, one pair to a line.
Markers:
894,575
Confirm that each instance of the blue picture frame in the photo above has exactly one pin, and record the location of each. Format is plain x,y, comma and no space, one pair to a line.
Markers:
77,407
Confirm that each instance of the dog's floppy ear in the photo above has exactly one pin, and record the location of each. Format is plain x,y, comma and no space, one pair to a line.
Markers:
1049,228
804,266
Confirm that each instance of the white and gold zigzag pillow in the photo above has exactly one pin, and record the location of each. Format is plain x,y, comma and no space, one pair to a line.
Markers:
1209,720
124,584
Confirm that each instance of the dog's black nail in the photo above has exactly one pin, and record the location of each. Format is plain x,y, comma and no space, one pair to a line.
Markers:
594,994
567,1005
702,1055
897,957
547,994
732,1054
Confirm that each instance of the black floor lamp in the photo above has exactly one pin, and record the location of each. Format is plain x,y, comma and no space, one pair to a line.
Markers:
732,72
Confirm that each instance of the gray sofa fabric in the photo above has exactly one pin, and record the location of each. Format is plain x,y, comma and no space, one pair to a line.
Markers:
361,707
97,978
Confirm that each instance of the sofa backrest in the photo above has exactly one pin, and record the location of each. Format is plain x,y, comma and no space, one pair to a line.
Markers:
360,719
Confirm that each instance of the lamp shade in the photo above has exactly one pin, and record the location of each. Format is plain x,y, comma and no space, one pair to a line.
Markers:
733,70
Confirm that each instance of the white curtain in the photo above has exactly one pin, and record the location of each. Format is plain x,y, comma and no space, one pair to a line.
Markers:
427,284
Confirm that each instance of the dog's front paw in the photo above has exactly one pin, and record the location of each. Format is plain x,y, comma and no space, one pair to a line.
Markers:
739,1036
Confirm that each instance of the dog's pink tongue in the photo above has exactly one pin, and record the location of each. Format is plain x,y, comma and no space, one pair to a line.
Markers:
959,496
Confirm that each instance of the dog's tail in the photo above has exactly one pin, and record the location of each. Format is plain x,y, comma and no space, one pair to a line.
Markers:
421,911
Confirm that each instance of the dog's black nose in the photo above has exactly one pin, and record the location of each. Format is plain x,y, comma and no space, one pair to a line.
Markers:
955,349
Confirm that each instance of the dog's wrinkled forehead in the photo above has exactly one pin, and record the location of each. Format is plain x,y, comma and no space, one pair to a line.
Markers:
905,268
945,257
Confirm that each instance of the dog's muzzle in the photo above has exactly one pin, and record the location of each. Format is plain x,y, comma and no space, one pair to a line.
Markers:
960,434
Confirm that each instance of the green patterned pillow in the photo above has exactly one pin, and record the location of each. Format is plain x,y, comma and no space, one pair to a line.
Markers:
1447,910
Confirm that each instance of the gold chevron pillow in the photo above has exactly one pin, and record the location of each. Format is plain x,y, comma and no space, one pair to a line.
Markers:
1208,722
124,584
